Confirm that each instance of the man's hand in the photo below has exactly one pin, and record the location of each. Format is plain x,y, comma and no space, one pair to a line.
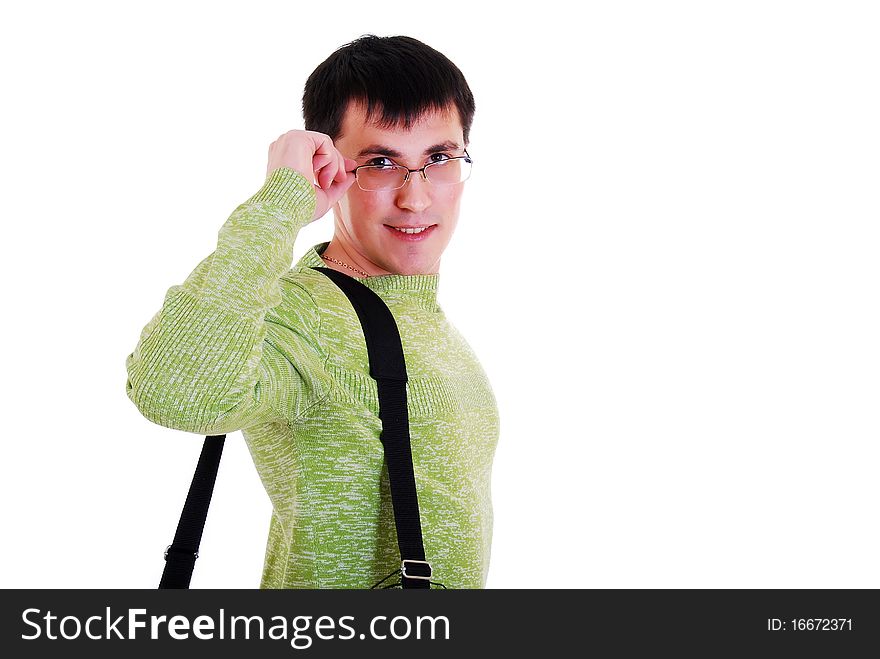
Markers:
313,155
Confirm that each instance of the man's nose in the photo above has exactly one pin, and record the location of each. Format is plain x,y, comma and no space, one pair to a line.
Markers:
415,195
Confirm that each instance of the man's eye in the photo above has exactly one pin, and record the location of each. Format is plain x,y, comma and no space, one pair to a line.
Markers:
375,162
442,157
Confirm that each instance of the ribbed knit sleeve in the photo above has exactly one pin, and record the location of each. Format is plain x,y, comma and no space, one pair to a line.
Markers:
207,362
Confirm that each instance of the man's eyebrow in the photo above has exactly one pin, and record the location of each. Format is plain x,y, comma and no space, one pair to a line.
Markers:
382,150
448,145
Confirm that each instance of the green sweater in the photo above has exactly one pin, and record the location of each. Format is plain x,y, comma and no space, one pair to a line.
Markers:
247,343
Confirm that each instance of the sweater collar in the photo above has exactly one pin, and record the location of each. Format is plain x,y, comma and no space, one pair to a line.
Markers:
421,288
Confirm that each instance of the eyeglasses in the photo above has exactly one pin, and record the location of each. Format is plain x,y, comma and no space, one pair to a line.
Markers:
373,178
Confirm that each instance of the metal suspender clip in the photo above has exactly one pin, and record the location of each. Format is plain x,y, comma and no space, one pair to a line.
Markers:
415,576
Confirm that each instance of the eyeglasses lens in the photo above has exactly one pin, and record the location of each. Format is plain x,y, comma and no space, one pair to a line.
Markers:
447,172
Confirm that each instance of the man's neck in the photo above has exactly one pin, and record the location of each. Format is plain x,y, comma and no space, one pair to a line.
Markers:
337,251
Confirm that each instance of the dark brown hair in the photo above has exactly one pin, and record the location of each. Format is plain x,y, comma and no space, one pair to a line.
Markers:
397,79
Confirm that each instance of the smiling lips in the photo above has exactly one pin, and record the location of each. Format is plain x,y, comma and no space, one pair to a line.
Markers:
412,233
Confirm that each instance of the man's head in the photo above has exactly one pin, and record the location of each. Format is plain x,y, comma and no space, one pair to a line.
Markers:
392,100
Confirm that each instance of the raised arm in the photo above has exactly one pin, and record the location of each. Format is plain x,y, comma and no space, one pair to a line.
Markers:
207,362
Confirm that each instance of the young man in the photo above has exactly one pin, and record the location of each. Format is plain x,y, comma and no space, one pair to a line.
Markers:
247,343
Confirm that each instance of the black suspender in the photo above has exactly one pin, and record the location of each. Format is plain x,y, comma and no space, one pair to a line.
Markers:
181,554
388,368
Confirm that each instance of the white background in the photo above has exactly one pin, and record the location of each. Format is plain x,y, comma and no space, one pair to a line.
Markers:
666,262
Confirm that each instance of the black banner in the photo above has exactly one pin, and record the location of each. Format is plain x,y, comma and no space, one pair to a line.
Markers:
433,623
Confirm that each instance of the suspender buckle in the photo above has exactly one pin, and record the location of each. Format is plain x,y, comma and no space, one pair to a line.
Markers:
194,554
420,569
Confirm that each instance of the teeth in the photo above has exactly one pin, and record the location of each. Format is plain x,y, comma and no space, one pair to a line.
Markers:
410,230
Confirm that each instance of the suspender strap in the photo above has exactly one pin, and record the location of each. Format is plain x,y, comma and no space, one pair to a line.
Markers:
181,554
388,368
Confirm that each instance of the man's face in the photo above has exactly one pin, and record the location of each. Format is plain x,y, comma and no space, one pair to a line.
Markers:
363,220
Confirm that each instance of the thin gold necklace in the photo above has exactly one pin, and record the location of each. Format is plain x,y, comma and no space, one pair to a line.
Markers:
345,265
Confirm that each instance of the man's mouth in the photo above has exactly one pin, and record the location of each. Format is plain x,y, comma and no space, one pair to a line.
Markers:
416,232
413,229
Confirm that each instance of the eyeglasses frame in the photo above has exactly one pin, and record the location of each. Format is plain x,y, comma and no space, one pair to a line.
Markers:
466,157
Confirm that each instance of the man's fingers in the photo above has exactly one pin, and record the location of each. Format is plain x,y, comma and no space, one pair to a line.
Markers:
322,160
323,144
338,188
327,198
340,173
334,162
315,156
328,173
